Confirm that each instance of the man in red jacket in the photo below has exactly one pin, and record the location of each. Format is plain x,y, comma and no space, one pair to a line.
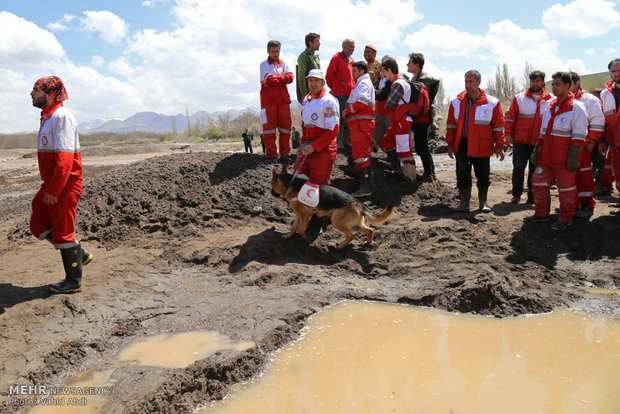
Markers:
339,78
556,155
275,113
610,96
60,165
523,121
475,126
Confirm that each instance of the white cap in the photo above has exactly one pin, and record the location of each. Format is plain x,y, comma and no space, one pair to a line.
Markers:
316,73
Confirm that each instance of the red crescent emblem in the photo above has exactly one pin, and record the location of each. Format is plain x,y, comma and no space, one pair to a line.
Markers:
309,192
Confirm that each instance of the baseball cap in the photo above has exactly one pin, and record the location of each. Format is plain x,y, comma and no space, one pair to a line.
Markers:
316,73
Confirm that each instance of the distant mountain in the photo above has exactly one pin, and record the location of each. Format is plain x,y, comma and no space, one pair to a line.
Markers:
152,122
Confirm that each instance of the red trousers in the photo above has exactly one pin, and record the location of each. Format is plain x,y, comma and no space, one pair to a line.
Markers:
317,167
608,176
398,136
361,132
542,180
57,218
584,180
276,118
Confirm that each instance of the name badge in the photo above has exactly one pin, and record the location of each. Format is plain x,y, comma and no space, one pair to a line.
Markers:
309,195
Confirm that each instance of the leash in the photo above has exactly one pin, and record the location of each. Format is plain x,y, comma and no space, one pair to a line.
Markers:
300,153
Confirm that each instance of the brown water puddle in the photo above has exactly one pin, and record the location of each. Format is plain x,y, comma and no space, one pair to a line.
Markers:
360,357
179,350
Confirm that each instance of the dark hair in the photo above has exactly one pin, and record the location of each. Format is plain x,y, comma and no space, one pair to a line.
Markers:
391,65
475,73
565,76
417,58
310,38
574,76
361,65
272,43
613,62
537,74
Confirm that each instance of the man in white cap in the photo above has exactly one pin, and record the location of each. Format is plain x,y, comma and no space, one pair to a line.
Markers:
320,114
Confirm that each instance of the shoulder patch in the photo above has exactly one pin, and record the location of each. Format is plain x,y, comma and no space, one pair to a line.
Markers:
329,112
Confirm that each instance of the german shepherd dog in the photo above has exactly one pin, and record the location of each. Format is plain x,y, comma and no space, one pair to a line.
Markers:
346,214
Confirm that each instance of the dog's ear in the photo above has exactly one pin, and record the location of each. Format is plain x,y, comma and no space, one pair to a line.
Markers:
283,171
274,173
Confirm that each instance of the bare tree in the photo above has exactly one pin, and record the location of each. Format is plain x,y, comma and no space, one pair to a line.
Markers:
189,125
526,74
503,86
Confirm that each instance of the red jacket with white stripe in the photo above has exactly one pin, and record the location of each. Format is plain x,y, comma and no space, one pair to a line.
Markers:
321,120
612,117
361,103
273,81
524,117
58,149
485,124
594,112
339,75
563,125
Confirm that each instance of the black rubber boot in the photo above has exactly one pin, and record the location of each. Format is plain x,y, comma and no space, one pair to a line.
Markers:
87,256
395,161
72,262
482,200
365,184
464,197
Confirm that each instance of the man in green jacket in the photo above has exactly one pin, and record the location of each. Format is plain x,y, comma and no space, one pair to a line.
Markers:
307,61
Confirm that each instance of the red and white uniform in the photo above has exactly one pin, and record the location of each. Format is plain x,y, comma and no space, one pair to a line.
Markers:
360,117
398,134
524,117
612,129
60,165
320,117
596,125
564,125
485,124
275,113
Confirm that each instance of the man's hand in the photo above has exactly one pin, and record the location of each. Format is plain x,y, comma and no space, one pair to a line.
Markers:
602,148
590,146
49,199
534,157
572,162
307,149
499,153
450,152
509,141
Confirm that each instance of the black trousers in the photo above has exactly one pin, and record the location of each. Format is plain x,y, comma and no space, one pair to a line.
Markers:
420,139
521,154
482,168
248,146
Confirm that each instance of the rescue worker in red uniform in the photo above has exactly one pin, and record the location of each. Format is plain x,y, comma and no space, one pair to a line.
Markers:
475,126
320,117
584,179
556,155
397,141
610,96
275,113
522,129
60,165
360,116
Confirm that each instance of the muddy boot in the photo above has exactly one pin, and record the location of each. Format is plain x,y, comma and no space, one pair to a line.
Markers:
72,262
464,196
365,187
87,256
394,161
314,228
410,171
482,200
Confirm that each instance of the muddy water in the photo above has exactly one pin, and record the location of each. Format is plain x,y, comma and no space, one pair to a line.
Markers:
359,357
179,350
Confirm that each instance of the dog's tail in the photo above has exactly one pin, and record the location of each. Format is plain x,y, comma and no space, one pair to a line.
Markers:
385,214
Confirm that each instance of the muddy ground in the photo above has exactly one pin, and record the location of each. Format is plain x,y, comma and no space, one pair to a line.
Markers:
192,240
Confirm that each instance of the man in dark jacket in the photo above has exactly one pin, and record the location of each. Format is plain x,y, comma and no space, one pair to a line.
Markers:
420,125
247,141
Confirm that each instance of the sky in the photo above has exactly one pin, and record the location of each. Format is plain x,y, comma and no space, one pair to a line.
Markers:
120,57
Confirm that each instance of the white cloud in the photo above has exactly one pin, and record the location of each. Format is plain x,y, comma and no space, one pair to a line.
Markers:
97,60
152,3
443,40
121,67
60,25
111,28
611,50
24,45
581,18
590,51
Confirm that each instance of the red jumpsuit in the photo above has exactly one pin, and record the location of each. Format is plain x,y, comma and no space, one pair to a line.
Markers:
397,135
360,117
564,125
612,129
275,114
596,124
60,165
321,126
